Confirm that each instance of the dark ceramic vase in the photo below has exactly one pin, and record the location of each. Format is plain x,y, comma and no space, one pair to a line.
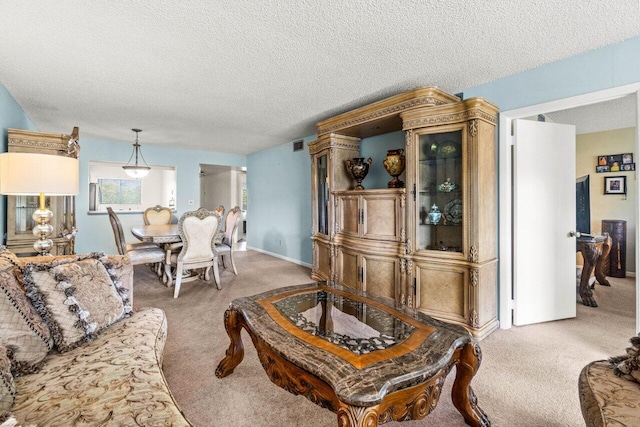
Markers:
358,169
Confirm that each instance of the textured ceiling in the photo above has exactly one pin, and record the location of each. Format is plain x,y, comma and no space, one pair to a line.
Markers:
617,114
240,76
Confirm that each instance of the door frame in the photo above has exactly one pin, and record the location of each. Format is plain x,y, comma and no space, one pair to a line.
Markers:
505,187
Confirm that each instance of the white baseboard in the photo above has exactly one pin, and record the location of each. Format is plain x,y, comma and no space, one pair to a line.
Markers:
295,261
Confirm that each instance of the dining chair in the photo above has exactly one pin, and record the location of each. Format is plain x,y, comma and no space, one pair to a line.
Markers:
230,237
219,210
157,215
197,230
138,253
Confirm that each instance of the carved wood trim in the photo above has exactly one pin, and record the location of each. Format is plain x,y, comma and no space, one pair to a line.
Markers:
408,138
470,109
334,141
421,97
473,128
473,253
440,119
20,140
473,318
474,277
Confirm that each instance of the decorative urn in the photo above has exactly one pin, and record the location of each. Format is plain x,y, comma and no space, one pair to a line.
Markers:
435,215
394,163
358,169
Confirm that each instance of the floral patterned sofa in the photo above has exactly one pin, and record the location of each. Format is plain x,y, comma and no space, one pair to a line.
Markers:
72,351
610,389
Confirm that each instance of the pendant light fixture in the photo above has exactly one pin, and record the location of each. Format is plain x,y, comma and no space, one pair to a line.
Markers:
136,171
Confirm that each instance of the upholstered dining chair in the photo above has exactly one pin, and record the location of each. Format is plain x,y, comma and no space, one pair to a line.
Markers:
230,237
138,253
219,210
197,230
157,215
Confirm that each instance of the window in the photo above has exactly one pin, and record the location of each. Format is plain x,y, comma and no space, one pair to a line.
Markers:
120,191
110,186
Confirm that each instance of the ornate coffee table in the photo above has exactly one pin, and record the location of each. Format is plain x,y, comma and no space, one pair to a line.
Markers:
366,358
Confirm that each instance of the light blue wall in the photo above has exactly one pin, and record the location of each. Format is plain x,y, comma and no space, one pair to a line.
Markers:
376,147
604,68
11,116
278,179
279,197
94,231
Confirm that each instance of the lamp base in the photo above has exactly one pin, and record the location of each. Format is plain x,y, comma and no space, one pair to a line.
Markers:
43,230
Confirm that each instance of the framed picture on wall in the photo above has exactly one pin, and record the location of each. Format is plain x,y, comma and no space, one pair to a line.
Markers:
600,169
627,158
615,185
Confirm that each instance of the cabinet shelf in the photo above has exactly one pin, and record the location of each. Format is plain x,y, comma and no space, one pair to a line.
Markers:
442,193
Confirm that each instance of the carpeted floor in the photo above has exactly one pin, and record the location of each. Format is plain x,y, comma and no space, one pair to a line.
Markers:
528,375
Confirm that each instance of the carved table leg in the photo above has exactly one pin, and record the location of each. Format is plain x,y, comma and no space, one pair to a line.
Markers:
464,399
606,248
357,416
589,253
233,321
167,279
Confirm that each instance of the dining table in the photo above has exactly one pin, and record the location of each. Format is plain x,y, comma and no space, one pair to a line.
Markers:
164,235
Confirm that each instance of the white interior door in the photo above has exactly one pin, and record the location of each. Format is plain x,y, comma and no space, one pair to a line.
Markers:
544,173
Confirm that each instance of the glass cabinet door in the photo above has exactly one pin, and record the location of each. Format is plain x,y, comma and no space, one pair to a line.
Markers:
323,194
25,207
439,188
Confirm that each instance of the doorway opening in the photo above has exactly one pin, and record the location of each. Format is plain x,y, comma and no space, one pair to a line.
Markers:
506,213
224,186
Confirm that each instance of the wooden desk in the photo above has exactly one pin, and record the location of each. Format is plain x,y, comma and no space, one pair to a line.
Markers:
367,358
595,251
165,235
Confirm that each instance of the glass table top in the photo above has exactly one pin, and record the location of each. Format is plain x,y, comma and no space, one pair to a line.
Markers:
364,346
353,325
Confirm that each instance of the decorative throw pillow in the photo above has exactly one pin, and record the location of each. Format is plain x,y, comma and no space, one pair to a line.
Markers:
77,298
628,366
7,387
21,328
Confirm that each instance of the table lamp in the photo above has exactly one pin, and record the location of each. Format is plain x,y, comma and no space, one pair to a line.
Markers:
31,174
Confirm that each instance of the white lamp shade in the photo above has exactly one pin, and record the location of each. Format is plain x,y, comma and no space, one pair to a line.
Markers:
29,174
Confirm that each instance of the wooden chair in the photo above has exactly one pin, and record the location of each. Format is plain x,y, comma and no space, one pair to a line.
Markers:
197,230
157,215
230,237
138,253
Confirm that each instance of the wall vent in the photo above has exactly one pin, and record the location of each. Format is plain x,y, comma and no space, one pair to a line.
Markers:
298,145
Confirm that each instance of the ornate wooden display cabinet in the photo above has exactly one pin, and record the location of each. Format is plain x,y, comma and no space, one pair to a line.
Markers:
382,240
20,237
616,264
451,168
